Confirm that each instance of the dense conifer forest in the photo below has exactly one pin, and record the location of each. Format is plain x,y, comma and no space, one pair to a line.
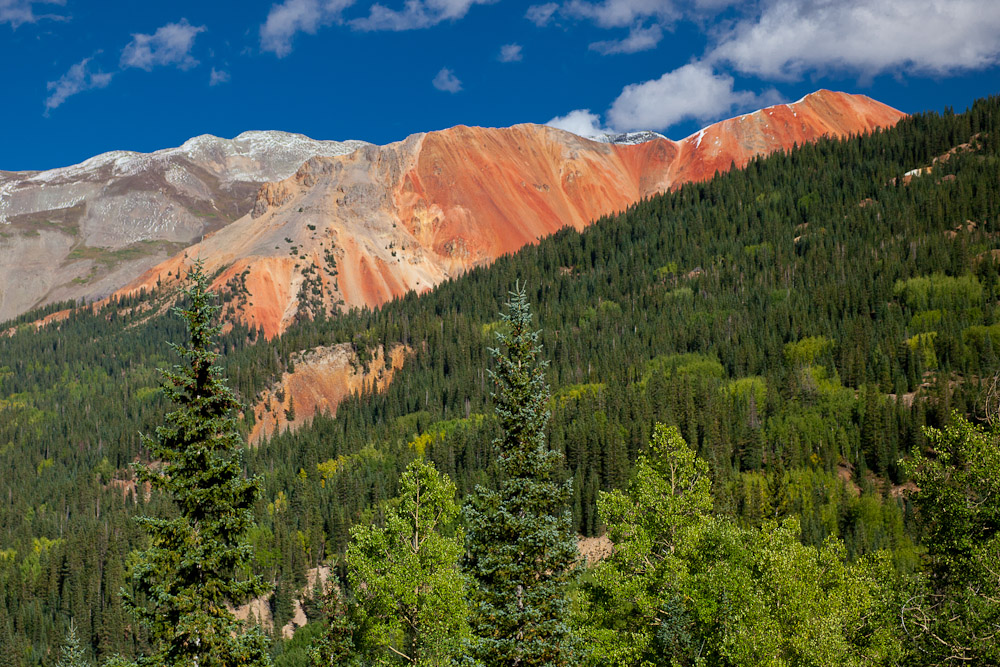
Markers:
795,326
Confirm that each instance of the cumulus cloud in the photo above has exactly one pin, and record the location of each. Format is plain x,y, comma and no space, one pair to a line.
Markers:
693,91
415,14
510,53
291,17
622,13
581,122
169,45
217,77
540,15
79,78
19,12
639,39
785,39
447,81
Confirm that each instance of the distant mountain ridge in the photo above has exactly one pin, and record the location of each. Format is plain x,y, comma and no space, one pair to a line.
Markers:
299,225
85,230
362,228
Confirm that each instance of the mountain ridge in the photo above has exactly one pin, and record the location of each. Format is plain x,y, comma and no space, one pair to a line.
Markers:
362,228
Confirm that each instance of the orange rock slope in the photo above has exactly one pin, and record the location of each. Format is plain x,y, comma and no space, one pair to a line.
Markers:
323,377
360,229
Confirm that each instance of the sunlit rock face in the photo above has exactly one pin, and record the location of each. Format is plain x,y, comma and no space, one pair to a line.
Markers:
83,231
362,228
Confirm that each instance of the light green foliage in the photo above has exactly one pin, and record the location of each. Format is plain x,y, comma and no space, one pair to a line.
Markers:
938,291
807,351
958,617
685,364
923,344
667,270
683,588
760,597
405,573
605,310
680,293
440,431
983,337
925,320
758,251
669,494
196,565
743,388
575,392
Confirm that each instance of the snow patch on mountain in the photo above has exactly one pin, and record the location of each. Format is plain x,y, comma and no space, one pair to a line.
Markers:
627,138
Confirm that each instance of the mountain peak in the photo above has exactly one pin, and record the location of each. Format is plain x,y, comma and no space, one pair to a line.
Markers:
360,229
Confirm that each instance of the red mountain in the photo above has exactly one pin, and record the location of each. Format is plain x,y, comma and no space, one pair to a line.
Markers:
361,228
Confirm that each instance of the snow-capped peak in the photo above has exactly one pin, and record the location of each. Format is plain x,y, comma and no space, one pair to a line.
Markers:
627,138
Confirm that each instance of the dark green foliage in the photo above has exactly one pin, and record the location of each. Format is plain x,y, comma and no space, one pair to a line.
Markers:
521,548
198,561
336,645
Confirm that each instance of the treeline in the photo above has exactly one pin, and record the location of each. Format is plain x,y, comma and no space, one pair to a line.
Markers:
799,321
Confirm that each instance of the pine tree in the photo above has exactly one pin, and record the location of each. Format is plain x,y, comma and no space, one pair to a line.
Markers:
521,548
336,645
73,654
197,564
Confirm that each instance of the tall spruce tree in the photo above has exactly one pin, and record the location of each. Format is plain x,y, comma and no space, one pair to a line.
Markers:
72,654
198,563
521,549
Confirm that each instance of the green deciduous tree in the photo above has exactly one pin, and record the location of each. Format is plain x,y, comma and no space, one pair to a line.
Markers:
197,564
406,577
685,588
521,548
956,620
633,592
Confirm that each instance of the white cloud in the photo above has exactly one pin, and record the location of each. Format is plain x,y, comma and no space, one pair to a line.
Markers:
169,45
639,39
540,15
447,81
622,13
510,53
786,39
581,122
19,12
217,77
692,91
415,14
291,17
78,79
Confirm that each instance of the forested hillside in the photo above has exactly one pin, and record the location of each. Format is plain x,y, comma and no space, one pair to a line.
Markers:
799,321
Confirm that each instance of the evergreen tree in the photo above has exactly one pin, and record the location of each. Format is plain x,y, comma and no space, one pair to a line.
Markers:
521,548
336,645
197,564
73,655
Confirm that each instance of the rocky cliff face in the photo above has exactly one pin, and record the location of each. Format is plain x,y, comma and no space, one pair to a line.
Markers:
359,229
86,230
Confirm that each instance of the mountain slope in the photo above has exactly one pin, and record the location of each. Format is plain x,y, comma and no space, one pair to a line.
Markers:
360,229
84,231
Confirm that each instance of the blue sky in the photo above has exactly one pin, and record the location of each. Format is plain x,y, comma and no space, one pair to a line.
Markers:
83,77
